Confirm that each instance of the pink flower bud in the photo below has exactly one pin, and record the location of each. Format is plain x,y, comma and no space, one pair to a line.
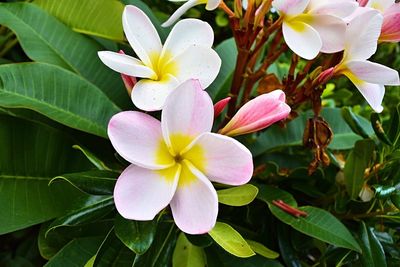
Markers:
129,81
326,75
362,2
220,106
391,24
258,114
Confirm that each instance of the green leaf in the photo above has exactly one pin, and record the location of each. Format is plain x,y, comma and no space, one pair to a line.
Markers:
160,252
394,129
57,94
356,163
230,240
187,255
30,156
97,208
99,164
45,39
319,223
262,250
354,123
228,53
101,18
378,129
292,135
91,182
238,196
136,235
113,253
76,253
373,254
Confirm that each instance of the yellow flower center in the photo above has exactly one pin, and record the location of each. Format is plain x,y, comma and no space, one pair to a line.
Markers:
163,65
181,155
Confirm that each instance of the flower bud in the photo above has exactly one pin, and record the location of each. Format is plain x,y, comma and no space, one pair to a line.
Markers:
129,81
220,106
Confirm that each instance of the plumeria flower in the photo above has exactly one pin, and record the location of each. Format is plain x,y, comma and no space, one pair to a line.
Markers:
313,26
361,43
210,5
186,54
391,17
175,160
258,113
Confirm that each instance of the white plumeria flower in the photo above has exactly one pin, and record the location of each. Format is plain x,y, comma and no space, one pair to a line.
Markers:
313,26
173,161
186,54
210,5
361,43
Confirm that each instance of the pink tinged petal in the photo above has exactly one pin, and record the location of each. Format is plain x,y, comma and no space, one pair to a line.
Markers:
195,203
140,194
213,4
363,2
338,8
380,5
258,114
290,7
182,10
302,39
373,93
129,81
187,33
373,72
332,31
393,9
137,138
188,111
391,27
197,62
362,35
220,106
223,160
150,95
141,34
125,64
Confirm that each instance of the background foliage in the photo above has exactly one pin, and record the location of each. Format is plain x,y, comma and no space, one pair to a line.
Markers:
57,168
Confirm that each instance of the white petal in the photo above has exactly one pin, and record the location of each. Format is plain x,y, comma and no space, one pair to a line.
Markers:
141,34
302,39
374,73
212,4
199,63
140,194
338,8
290,7
150,95
195,203
221,158
137,137
187,33
362,35
373,93
180,11
125,64
380,5
332,31
188,112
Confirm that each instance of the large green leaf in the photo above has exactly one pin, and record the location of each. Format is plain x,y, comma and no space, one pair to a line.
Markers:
45,39
76,253
373,254
292,135
318,223
136,235
101,18
230,240
227,52
30,156
57,94
187,255
356,163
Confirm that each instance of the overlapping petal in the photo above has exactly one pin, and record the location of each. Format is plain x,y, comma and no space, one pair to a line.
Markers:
195,203
212,4
290,7
338,8
182,10
137,137
223,160
125,64
302,39
374,73
140,193
188,112
141,34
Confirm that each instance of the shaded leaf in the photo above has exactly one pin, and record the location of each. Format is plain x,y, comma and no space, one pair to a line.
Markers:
372,250
187,255
262,250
